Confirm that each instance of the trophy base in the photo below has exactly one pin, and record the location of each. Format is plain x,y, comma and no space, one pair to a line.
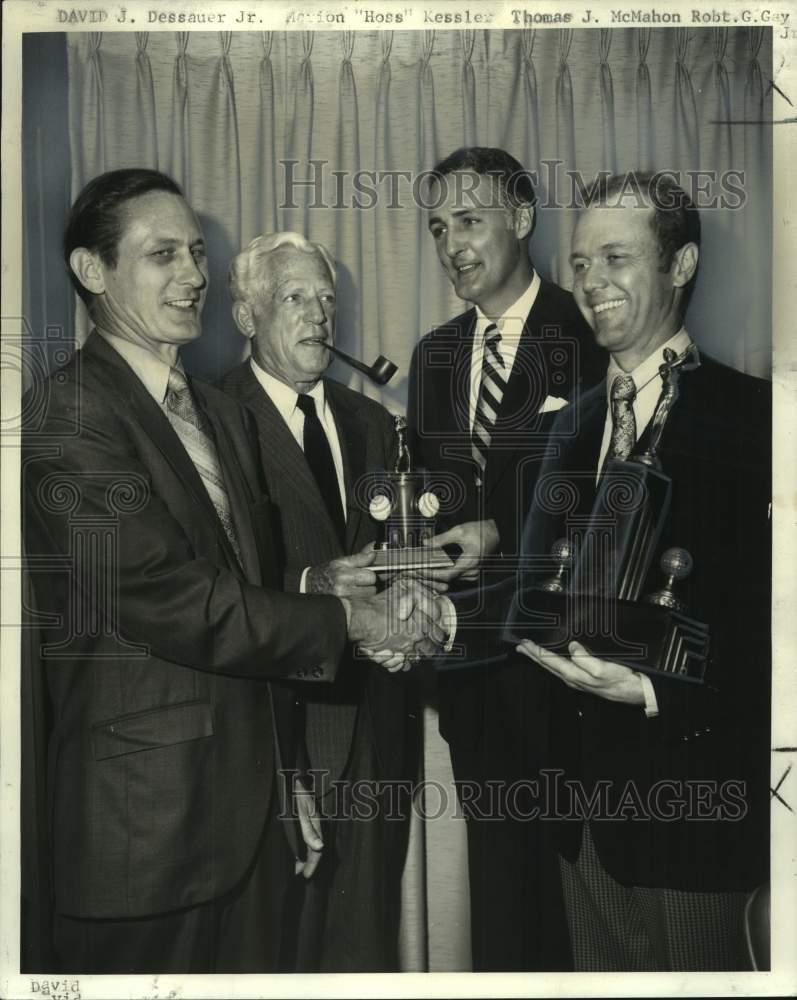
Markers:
646,637
415,560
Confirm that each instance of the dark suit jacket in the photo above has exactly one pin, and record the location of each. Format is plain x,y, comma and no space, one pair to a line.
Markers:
556,354
368,442
158,646
716,449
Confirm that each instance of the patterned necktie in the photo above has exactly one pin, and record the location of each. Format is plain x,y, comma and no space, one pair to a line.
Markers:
189,424
491,392
623,394
319,457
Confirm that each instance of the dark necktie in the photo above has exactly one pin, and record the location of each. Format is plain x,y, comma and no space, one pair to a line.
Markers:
319,457
623,394
491,392
187,420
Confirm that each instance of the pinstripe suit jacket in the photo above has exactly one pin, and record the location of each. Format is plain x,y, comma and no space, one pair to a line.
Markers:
367,442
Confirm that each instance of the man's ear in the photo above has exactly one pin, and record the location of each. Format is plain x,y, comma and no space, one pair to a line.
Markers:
684,264
244,320
523,222
88,269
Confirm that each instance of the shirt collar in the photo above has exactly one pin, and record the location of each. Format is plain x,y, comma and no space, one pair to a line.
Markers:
517,312
282,395
150,370
649,368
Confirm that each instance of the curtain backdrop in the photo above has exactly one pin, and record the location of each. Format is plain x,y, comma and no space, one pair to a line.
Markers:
245,121
263,130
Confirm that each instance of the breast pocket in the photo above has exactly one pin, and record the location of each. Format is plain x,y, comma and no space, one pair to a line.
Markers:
148,730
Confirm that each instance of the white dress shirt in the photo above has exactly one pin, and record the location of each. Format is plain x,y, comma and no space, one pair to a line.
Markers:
510,326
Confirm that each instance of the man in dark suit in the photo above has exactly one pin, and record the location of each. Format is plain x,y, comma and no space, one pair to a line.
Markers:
657,877
364,726
149,542
483,388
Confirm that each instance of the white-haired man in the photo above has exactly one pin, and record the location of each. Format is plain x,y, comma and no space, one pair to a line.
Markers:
317,438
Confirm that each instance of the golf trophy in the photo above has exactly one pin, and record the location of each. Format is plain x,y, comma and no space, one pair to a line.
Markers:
406,503
596,593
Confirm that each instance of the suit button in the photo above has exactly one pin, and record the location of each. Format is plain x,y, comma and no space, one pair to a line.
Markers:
707,730
111,729
684,739
698,732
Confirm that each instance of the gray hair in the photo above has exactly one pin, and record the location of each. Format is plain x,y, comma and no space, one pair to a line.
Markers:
249,268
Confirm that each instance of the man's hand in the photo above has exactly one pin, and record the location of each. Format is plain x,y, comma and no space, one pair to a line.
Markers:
398,626
586,673
310,825
344,577
477,539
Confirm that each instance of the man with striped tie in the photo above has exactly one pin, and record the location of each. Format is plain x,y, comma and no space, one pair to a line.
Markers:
163,633
483,388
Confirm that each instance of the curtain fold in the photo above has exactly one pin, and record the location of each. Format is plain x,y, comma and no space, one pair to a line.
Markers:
256,125
646,148
566,154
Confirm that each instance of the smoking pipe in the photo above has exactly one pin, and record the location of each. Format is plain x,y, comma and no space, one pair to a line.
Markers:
381,371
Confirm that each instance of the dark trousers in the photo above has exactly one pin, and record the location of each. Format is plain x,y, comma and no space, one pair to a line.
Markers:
242,931
349,917
518,921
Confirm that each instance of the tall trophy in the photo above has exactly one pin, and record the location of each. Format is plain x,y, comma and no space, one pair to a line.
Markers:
405,503
596,593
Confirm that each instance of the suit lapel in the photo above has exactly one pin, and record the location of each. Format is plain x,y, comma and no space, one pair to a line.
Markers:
238,492
155,424
351,436
279,446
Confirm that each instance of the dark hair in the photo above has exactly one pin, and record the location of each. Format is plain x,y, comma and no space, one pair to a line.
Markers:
675,220
514,183
96,220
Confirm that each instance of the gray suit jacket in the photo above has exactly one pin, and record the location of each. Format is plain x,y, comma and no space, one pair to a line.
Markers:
308,537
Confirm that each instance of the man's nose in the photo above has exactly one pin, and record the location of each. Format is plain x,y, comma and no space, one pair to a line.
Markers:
454,243
191,273
594,277
316,311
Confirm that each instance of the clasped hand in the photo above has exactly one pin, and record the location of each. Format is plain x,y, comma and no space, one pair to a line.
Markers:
400,625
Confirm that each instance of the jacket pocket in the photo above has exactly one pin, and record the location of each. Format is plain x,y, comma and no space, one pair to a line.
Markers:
158,727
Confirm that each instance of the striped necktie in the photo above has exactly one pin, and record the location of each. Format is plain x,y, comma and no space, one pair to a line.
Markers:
491,392
190,426
623,394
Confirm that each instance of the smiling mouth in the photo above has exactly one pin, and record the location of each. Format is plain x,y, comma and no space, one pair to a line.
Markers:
184,304
465,269
603,307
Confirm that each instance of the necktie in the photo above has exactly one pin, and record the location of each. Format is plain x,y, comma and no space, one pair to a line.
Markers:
623,394
491,392
189,424
319,458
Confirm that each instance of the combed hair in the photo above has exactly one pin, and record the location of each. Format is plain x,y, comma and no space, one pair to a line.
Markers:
675,220
249,268
96,219
514,182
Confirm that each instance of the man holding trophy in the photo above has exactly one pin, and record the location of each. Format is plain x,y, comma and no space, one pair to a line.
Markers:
659,746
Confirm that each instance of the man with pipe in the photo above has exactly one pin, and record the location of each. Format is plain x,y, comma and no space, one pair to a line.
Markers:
318,438
168,646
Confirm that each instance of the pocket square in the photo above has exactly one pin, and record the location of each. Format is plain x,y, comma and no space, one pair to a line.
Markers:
552,403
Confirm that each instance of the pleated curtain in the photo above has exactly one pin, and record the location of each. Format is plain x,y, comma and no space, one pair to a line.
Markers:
265,129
